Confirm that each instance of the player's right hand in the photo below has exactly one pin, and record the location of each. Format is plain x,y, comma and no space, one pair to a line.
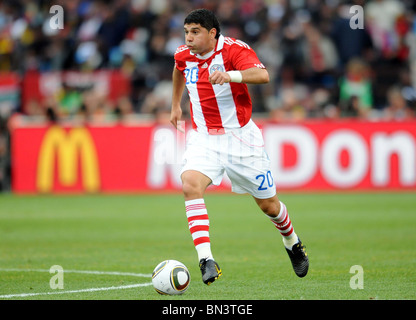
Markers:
218,77
175,118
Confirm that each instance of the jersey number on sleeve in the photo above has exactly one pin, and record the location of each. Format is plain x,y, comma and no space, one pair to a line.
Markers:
191,75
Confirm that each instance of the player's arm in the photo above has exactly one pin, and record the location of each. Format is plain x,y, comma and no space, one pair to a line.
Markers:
178,83
250,76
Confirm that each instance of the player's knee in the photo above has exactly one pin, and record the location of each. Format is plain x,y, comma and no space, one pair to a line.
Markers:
194,184
271,208
191,190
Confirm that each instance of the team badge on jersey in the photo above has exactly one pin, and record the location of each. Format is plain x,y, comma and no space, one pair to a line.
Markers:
216,67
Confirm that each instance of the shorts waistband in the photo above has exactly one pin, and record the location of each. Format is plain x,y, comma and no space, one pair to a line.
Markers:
221,131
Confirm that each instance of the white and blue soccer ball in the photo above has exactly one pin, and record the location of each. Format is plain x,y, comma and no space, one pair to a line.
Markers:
171,277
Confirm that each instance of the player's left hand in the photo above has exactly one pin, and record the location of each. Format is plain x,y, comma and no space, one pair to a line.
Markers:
218,77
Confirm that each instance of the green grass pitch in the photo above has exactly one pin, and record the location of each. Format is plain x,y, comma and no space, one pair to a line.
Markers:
108,245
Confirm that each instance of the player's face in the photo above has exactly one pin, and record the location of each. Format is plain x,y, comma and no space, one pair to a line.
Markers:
198,39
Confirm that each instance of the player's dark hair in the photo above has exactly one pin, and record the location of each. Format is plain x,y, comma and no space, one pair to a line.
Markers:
205,18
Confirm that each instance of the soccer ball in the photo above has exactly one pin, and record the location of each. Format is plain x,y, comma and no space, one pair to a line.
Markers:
171,277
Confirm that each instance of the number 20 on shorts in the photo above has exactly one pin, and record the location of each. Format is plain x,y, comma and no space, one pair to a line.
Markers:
266,181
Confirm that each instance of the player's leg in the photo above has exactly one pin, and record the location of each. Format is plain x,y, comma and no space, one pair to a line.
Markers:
250,172
278,214
194,184
252,180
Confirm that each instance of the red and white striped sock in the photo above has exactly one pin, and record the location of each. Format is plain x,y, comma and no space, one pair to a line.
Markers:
198,223
283,223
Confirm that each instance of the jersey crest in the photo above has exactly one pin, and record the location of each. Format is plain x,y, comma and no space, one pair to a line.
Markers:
216,67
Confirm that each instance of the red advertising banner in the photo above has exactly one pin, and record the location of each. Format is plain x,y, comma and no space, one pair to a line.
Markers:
315,155
38,86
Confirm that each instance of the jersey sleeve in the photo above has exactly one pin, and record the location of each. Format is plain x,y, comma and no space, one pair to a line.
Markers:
180,63
244,57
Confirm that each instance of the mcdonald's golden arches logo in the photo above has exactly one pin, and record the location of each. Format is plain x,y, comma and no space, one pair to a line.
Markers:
68,146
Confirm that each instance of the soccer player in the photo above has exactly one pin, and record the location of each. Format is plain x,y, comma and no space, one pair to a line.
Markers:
215,70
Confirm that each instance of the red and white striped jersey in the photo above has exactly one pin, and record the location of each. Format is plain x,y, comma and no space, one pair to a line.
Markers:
217,108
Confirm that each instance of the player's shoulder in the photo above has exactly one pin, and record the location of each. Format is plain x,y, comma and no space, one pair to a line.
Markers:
233,43
182,52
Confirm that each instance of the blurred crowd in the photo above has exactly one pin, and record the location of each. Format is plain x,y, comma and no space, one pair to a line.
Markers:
320,65
326,58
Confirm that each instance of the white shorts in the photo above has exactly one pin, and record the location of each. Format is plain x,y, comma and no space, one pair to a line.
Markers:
240,153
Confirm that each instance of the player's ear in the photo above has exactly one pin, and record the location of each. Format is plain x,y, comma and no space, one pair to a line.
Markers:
212,33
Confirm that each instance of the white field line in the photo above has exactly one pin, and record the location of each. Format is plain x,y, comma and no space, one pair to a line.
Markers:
115,273
20,295
16,295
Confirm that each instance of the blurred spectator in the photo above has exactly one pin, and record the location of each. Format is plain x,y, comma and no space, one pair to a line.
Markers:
9,94
397,108
94,105
350,43
288,105
382,17
69,100
160,99
269,51
407,89
411,42
320,56
4,156
356,97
